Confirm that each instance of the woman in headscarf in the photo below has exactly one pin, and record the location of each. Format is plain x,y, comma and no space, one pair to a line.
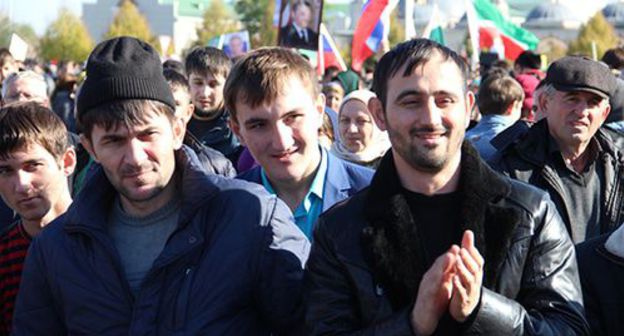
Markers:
360,140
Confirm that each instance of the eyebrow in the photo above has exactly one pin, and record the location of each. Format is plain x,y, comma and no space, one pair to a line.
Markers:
407,93
251,121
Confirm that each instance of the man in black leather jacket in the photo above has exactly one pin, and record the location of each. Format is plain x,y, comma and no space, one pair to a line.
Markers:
568,154
439,243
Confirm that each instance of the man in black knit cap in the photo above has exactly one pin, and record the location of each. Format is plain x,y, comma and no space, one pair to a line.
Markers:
154,244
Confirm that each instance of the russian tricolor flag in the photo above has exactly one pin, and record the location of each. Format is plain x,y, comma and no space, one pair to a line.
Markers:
328,52
371,30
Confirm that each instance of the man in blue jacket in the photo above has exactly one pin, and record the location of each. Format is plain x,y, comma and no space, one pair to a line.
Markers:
276,110
154,245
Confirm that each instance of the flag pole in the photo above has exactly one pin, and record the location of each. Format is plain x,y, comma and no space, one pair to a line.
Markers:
473,32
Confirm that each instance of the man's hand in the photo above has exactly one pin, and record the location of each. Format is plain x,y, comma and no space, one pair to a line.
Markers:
467,279
434,293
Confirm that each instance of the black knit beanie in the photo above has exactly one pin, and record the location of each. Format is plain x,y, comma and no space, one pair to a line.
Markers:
123,68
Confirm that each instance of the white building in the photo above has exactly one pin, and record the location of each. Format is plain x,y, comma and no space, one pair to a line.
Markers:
176,19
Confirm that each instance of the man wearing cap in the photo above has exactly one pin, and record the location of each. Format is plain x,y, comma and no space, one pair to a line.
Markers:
568,154
154,245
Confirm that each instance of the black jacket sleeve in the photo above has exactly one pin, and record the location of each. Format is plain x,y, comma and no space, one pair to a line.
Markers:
330,300
550,300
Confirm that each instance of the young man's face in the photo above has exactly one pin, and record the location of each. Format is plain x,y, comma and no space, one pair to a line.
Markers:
184,107
32,181
426,114
574,117
139,162
7,68
206,91
283,136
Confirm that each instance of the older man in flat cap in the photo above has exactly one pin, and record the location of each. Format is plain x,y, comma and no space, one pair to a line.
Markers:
568,154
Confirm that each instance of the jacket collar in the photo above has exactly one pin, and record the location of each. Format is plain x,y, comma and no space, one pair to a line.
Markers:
392,240
534,145
337,184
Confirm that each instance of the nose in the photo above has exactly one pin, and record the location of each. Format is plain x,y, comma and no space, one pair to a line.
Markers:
22,182
431,114
282,137
207,90
135,152
581,108
352,128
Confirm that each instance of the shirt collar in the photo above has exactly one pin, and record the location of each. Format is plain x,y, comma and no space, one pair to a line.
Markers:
318,183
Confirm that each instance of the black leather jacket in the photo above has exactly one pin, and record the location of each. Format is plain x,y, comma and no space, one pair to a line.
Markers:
367,260
527,161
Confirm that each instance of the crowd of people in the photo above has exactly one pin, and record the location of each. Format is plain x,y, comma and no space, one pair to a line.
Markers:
251,197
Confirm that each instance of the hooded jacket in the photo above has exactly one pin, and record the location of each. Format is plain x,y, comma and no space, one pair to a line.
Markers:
222,271
368,259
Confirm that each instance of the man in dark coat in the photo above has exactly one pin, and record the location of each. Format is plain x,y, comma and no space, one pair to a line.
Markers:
439,243
568,154
154,245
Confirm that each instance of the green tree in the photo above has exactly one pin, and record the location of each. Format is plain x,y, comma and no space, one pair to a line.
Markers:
26,32
130,22
596,30
218,20
257,18
66,39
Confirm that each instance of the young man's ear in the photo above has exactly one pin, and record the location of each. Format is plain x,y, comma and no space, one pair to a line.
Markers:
376,109
86,143
235,127
69,161
179,130
320,107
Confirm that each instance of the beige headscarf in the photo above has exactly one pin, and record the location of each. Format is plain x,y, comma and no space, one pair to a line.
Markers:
379,144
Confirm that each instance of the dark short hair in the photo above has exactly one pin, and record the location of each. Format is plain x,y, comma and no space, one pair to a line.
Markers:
614,58
496,94
176,80
26,123
411,54
174,65
259,77
298,3
5,56
127,112
207,60
529,59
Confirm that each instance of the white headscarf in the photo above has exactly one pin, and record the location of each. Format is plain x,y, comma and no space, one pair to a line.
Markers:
379,144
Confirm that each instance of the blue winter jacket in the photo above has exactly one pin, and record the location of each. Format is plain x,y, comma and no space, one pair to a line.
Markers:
233,266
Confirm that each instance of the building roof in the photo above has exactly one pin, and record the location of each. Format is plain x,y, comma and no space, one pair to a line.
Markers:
614,12
551,12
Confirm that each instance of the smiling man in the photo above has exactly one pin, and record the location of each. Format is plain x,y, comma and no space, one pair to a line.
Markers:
35,162
439,243
277,110
155,245
568,154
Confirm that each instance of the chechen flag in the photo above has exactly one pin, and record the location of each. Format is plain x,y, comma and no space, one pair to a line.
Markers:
328,53
497,34
371,30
